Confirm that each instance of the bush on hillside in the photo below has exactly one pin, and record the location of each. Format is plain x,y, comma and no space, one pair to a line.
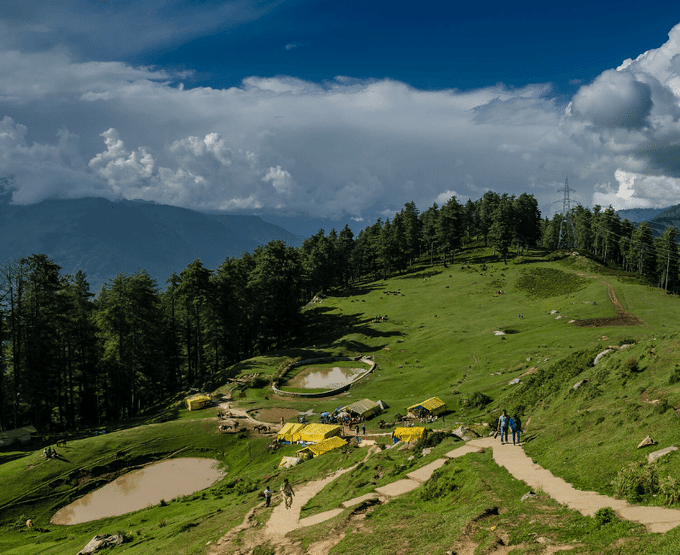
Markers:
539,386
477,400
431,439
259,382
636,481
604,516
441,483
675,376
670,489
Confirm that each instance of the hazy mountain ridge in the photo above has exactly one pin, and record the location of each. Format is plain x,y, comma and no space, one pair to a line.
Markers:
103,237
638,215
667,218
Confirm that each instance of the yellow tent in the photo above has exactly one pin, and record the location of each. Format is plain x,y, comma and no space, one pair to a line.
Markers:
290,432
198,401
433,406
408,435
323,447
316,433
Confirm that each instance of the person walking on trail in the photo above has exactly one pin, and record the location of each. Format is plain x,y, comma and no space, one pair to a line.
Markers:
267,496
516,427
288,493
511,425
503,426
363,429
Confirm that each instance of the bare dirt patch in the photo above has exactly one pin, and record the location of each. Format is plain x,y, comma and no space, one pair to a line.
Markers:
275,414
622,318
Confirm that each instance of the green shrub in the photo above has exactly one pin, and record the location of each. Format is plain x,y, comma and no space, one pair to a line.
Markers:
636,481
670,489
632,364
604,516
479,400
441,483
675,376
662,406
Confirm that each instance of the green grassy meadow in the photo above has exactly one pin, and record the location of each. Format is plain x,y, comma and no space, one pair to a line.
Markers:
432,331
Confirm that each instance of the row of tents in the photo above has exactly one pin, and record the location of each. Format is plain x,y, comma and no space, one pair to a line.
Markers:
318,439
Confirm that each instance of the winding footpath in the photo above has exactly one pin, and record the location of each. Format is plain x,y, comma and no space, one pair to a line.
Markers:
655,519
513,458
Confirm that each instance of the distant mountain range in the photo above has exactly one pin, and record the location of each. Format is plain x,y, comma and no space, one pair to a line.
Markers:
667,218
657,218
638,215
103,237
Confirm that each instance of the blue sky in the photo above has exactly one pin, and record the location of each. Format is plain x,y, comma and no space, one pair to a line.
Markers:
339,109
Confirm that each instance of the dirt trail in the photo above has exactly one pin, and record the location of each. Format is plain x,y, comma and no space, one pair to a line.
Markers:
284,520
655,519
622,318
513,458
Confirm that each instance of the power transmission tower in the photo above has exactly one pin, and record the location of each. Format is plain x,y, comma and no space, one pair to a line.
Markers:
567,232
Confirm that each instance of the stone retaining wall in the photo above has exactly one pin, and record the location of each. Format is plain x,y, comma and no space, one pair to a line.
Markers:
330,392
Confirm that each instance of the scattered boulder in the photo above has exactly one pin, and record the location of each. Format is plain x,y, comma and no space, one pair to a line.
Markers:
658,454
514,382
646,442
465,433
579,384
102,541
598,357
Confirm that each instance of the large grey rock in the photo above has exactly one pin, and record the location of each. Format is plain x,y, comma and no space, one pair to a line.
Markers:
102,541
598,357
660,453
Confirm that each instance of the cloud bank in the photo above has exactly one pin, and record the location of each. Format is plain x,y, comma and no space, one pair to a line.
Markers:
346,147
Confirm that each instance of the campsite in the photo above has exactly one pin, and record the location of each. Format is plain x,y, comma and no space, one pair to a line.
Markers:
439,368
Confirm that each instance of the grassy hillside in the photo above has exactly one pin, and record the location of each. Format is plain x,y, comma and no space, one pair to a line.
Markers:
434,331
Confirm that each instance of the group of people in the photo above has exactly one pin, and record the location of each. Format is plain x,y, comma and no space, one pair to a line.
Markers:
286,492
50,453
513,423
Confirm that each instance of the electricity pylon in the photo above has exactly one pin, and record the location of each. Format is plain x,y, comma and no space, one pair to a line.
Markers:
567,224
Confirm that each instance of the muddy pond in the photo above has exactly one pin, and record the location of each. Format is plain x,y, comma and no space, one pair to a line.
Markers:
315,377
140,488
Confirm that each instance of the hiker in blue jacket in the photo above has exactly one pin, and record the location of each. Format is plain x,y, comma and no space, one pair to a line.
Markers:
503,422
516,427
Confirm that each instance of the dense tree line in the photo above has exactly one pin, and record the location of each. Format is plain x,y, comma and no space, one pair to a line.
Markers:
71,358
617,242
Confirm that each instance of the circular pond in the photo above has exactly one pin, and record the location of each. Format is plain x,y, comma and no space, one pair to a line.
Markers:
140,488
316,377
